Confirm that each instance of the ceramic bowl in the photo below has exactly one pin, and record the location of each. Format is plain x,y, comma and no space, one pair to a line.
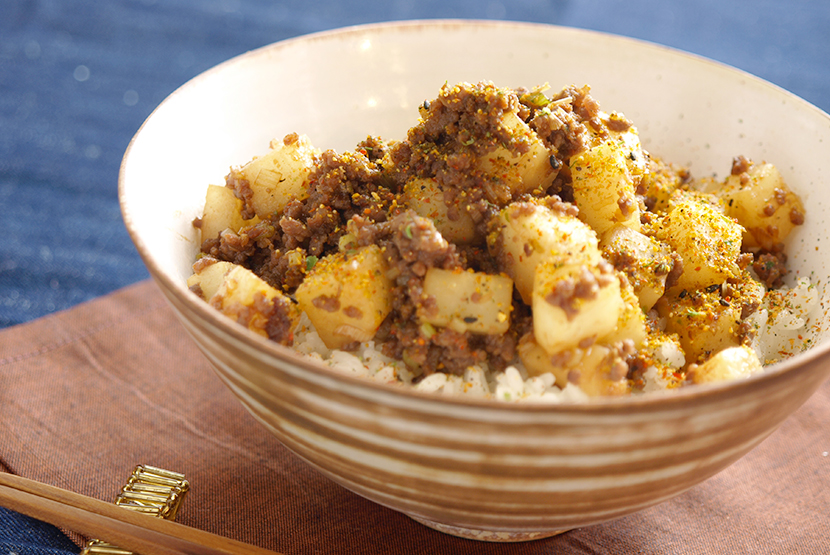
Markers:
476,468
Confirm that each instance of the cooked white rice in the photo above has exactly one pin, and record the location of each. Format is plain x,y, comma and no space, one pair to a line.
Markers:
783,321
782,325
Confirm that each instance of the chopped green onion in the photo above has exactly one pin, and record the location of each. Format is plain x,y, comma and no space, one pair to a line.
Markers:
427,330
310,262
536,99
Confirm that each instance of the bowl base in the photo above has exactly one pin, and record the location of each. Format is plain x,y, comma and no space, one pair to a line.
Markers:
486,535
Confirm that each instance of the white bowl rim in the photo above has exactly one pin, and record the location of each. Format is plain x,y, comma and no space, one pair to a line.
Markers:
657,400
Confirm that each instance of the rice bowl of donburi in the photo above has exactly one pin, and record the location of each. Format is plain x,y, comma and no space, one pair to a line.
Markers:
475,465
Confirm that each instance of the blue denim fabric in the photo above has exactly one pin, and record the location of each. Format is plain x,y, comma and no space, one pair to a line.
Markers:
26,536
78,78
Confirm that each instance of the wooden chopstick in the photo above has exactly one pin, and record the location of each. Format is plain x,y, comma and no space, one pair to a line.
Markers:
127,529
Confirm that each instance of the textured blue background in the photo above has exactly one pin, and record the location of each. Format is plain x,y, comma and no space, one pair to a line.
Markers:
77,78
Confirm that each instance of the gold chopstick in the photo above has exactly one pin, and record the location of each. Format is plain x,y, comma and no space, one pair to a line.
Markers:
130,530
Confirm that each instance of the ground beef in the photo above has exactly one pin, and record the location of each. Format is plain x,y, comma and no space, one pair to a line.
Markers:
771,268
268,315
242,189
354,200
618,123
568,293
244,248
411,246
676,270
560,207
203,263
420,245
796,217
744,260
374,148
746,333
197,288
740,165
461,125
470,117
278,326
623,260
341,186
627,205
562,130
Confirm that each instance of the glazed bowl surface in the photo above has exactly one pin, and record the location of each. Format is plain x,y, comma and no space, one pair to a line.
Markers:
470,467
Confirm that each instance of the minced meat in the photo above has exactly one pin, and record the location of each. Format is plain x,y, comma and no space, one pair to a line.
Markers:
355,199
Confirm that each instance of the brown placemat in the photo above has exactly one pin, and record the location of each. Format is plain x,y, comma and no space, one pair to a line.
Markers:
87,394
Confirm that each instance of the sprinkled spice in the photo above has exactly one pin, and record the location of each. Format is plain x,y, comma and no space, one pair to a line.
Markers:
543,198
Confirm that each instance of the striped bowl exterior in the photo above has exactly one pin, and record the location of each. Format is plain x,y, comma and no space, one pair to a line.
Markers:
494,471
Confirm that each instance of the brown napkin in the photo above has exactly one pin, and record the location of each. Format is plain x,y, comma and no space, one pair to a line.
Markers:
87,394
